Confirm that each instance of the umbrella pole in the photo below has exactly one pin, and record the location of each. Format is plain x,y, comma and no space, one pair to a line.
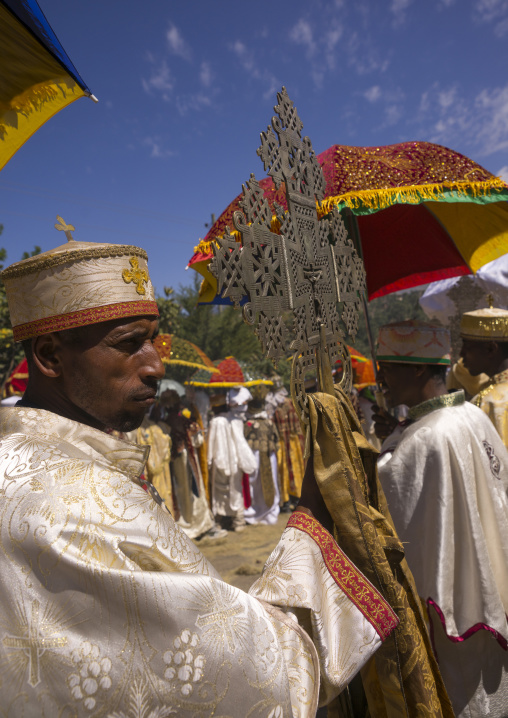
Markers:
352,224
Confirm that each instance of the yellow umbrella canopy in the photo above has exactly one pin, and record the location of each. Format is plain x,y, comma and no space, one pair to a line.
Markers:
37,80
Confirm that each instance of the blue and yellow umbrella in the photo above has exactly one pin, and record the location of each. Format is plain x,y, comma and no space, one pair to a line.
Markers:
37,78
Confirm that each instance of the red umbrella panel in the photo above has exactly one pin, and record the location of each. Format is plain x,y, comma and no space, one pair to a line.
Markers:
424,212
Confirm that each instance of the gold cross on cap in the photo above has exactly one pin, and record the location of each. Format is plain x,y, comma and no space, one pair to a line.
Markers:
67,228
137,276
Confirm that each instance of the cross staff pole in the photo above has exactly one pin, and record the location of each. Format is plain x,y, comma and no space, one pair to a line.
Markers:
354,230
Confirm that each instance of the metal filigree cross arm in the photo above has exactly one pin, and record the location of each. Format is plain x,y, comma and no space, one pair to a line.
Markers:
308,276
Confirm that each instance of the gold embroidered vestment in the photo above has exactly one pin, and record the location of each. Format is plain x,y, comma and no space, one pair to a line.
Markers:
108,609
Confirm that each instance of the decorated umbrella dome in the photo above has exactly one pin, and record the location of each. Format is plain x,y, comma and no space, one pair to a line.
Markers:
363,367
424,213
38,78
229,374
175,350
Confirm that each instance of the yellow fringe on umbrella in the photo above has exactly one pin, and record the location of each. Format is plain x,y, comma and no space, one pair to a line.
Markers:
376,199
183,362
228,384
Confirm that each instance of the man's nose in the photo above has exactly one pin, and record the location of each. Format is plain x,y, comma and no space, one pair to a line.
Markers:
153,365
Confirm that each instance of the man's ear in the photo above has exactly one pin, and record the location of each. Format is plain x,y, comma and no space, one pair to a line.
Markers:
46,351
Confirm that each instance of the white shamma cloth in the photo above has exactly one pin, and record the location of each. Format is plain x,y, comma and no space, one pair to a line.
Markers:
446,484
108,609
229,457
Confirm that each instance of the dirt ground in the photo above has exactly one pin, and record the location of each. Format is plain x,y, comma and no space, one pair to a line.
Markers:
240,557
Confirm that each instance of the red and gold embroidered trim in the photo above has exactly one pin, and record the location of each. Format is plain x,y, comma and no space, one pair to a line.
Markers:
83,318
347,577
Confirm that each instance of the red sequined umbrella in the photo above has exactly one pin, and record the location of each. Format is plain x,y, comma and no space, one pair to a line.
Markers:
423,211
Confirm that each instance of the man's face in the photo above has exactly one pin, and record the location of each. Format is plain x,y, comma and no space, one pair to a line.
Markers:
113,371
475,356
397,382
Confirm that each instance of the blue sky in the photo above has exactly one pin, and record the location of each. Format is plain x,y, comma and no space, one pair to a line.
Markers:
186,87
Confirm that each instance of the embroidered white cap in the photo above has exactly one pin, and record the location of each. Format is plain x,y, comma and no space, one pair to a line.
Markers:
76,284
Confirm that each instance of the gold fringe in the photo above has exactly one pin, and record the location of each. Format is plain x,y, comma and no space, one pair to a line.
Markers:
377,199
193,364
228,384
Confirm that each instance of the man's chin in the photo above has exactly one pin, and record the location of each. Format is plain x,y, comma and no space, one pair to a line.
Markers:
128,422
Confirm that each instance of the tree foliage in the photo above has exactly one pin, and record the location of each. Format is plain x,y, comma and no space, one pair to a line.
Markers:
221,331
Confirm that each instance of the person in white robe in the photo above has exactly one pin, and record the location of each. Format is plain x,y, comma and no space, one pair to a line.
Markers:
445,476
108,608
229,456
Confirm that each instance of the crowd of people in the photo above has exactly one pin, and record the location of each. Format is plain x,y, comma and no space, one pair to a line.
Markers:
225,460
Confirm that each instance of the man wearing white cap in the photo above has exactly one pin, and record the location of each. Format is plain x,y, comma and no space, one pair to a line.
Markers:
484,335
107,607
446,485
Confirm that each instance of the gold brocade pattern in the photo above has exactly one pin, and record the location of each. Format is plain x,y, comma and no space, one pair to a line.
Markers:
108,610
493,400
402,679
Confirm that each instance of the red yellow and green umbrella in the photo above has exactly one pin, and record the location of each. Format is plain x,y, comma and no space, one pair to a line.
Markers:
423,212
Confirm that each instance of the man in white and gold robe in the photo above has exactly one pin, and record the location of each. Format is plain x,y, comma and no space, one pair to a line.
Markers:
445,478
484,349
108,609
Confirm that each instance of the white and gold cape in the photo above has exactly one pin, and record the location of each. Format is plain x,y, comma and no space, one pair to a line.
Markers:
108,609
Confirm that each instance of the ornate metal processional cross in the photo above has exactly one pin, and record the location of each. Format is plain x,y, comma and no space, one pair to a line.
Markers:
300,288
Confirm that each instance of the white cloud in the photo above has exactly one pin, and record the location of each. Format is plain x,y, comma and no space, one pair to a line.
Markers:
373,94
493,11
480,121
301,34
364,57
398,9
492,107
447,98
205,74
332,38
393,114
160,81
503,173
249,64
197,101
177,44
155,147
245,57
